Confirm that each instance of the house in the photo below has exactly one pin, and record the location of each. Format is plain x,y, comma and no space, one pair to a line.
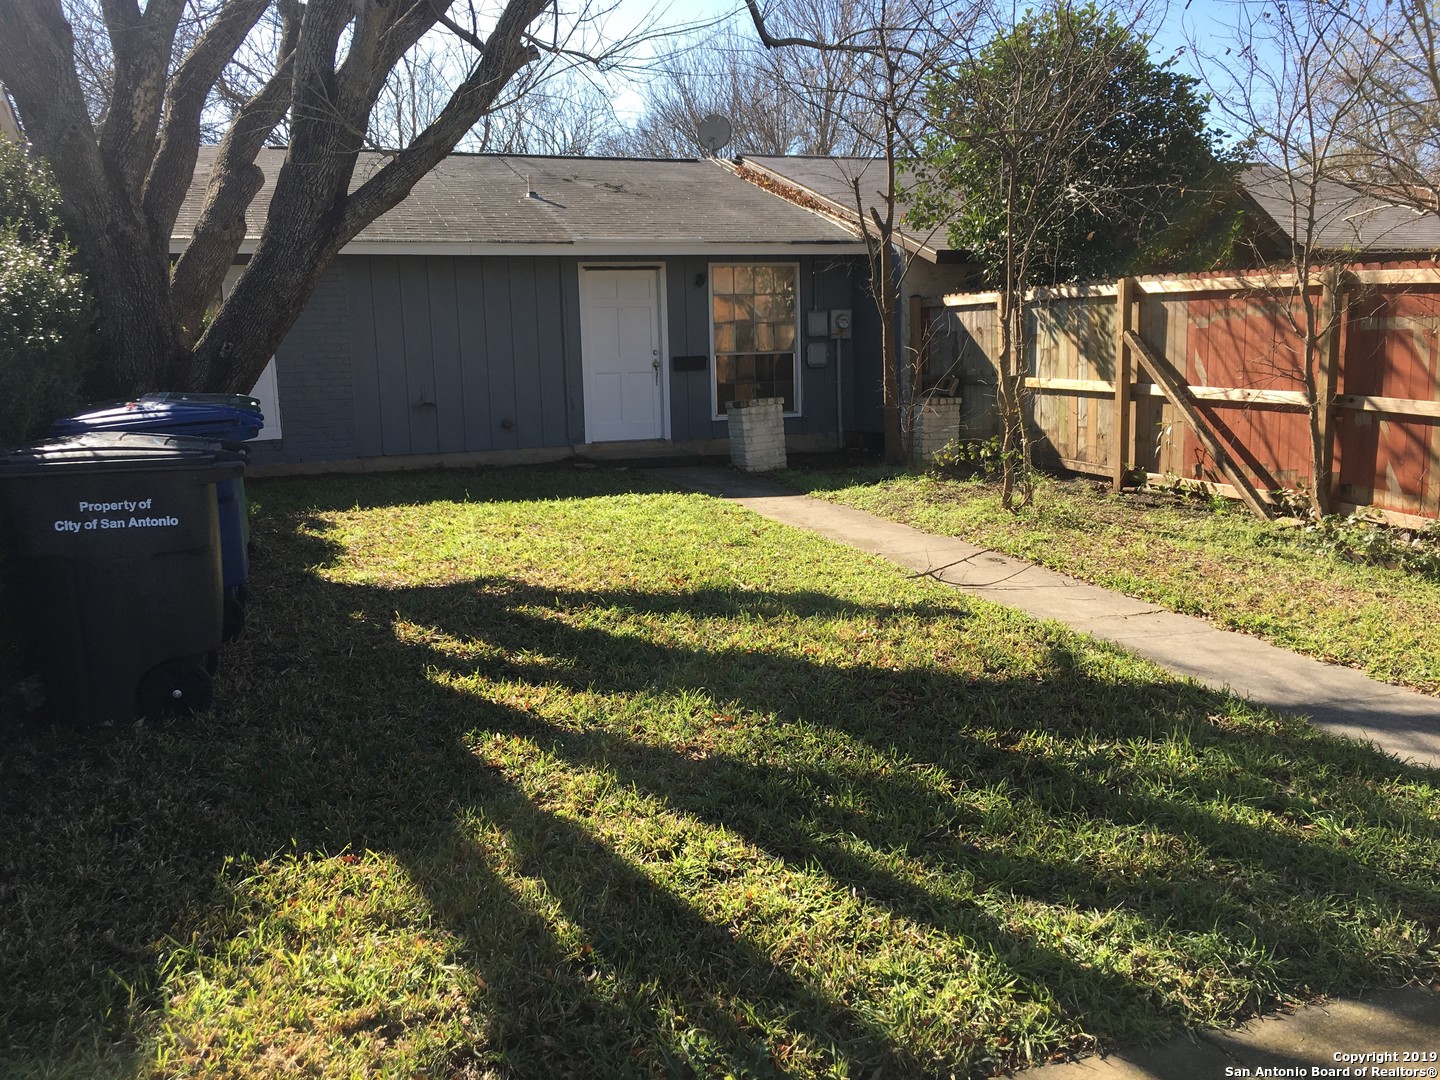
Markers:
852,189
846,187
526,308
829,185
1347,220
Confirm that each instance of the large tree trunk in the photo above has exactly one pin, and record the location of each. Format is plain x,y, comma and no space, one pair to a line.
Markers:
126,266
122,186
140,347
297,245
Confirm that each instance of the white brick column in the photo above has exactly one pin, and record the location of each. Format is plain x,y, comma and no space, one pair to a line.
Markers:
757,434
937,422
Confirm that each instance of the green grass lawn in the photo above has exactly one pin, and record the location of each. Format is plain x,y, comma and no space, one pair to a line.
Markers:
549,773
1192,556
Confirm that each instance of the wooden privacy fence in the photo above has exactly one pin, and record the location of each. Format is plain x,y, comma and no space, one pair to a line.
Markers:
1229,349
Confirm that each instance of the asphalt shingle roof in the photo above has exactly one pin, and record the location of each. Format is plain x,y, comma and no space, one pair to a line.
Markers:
832,178
1346,219
481,199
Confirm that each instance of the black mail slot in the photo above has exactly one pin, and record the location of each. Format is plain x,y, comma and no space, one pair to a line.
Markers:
689,363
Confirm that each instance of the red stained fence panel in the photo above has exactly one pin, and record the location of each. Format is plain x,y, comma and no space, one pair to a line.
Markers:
1228,334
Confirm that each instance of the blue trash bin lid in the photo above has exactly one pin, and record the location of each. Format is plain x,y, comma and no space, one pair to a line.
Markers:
120,451
234,401
202,419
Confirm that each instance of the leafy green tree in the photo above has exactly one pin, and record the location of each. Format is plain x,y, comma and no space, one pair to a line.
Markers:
1057,151
1063,136
46,340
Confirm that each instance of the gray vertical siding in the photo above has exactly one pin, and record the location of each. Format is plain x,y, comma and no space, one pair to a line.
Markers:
315,380
551,334
444,315
826,283
424,354
474,401
568,275
499,344
417,301
526,308
453,354
392,355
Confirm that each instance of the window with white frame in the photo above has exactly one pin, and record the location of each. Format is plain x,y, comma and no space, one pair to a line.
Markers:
754,318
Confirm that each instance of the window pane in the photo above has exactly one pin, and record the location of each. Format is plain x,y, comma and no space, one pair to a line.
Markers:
755,337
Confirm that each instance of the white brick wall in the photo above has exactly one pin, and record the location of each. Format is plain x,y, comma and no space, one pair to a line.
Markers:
757,434
937,422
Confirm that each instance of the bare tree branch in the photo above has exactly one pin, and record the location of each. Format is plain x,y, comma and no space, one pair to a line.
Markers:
174,164
504,55
141,46
235,179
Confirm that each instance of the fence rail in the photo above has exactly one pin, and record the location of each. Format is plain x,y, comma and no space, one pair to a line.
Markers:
1240,370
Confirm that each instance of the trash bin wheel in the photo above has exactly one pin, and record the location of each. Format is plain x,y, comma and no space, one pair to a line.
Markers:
176,688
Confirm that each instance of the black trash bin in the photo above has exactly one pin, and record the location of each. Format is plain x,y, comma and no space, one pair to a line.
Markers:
229,418
117,567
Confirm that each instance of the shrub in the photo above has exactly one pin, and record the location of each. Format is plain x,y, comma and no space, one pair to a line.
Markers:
966,458
46,343
29,203
45,340
1358,539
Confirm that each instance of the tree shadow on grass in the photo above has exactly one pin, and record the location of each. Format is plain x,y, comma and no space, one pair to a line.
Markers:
353,723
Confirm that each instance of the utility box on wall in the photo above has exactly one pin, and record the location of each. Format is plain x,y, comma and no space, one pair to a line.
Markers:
832,324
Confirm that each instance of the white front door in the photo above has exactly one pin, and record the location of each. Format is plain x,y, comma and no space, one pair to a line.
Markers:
620,353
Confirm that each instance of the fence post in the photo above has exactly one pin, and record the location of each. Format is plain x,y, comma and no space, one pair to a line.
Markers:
1332,305
1120,441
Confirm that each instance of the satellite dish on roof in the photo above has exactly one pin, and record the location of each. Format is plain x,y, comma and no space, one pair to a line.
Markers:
714,132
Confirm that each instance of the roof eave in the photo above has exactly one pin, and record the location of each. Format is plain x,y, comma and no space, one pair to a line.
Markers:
621,247
831,208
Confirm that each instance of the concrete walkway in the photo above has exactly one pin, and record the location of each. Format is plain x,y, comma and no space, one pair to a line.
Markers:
1337,699
1302,1043
1406,724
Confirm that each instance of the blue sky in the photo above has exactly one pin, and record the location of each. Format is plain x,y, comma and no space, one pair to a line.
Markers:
1210,23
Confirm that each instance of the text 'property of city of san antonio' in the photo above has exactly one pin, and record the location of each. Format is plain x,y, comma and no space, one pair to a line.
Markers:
129,507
